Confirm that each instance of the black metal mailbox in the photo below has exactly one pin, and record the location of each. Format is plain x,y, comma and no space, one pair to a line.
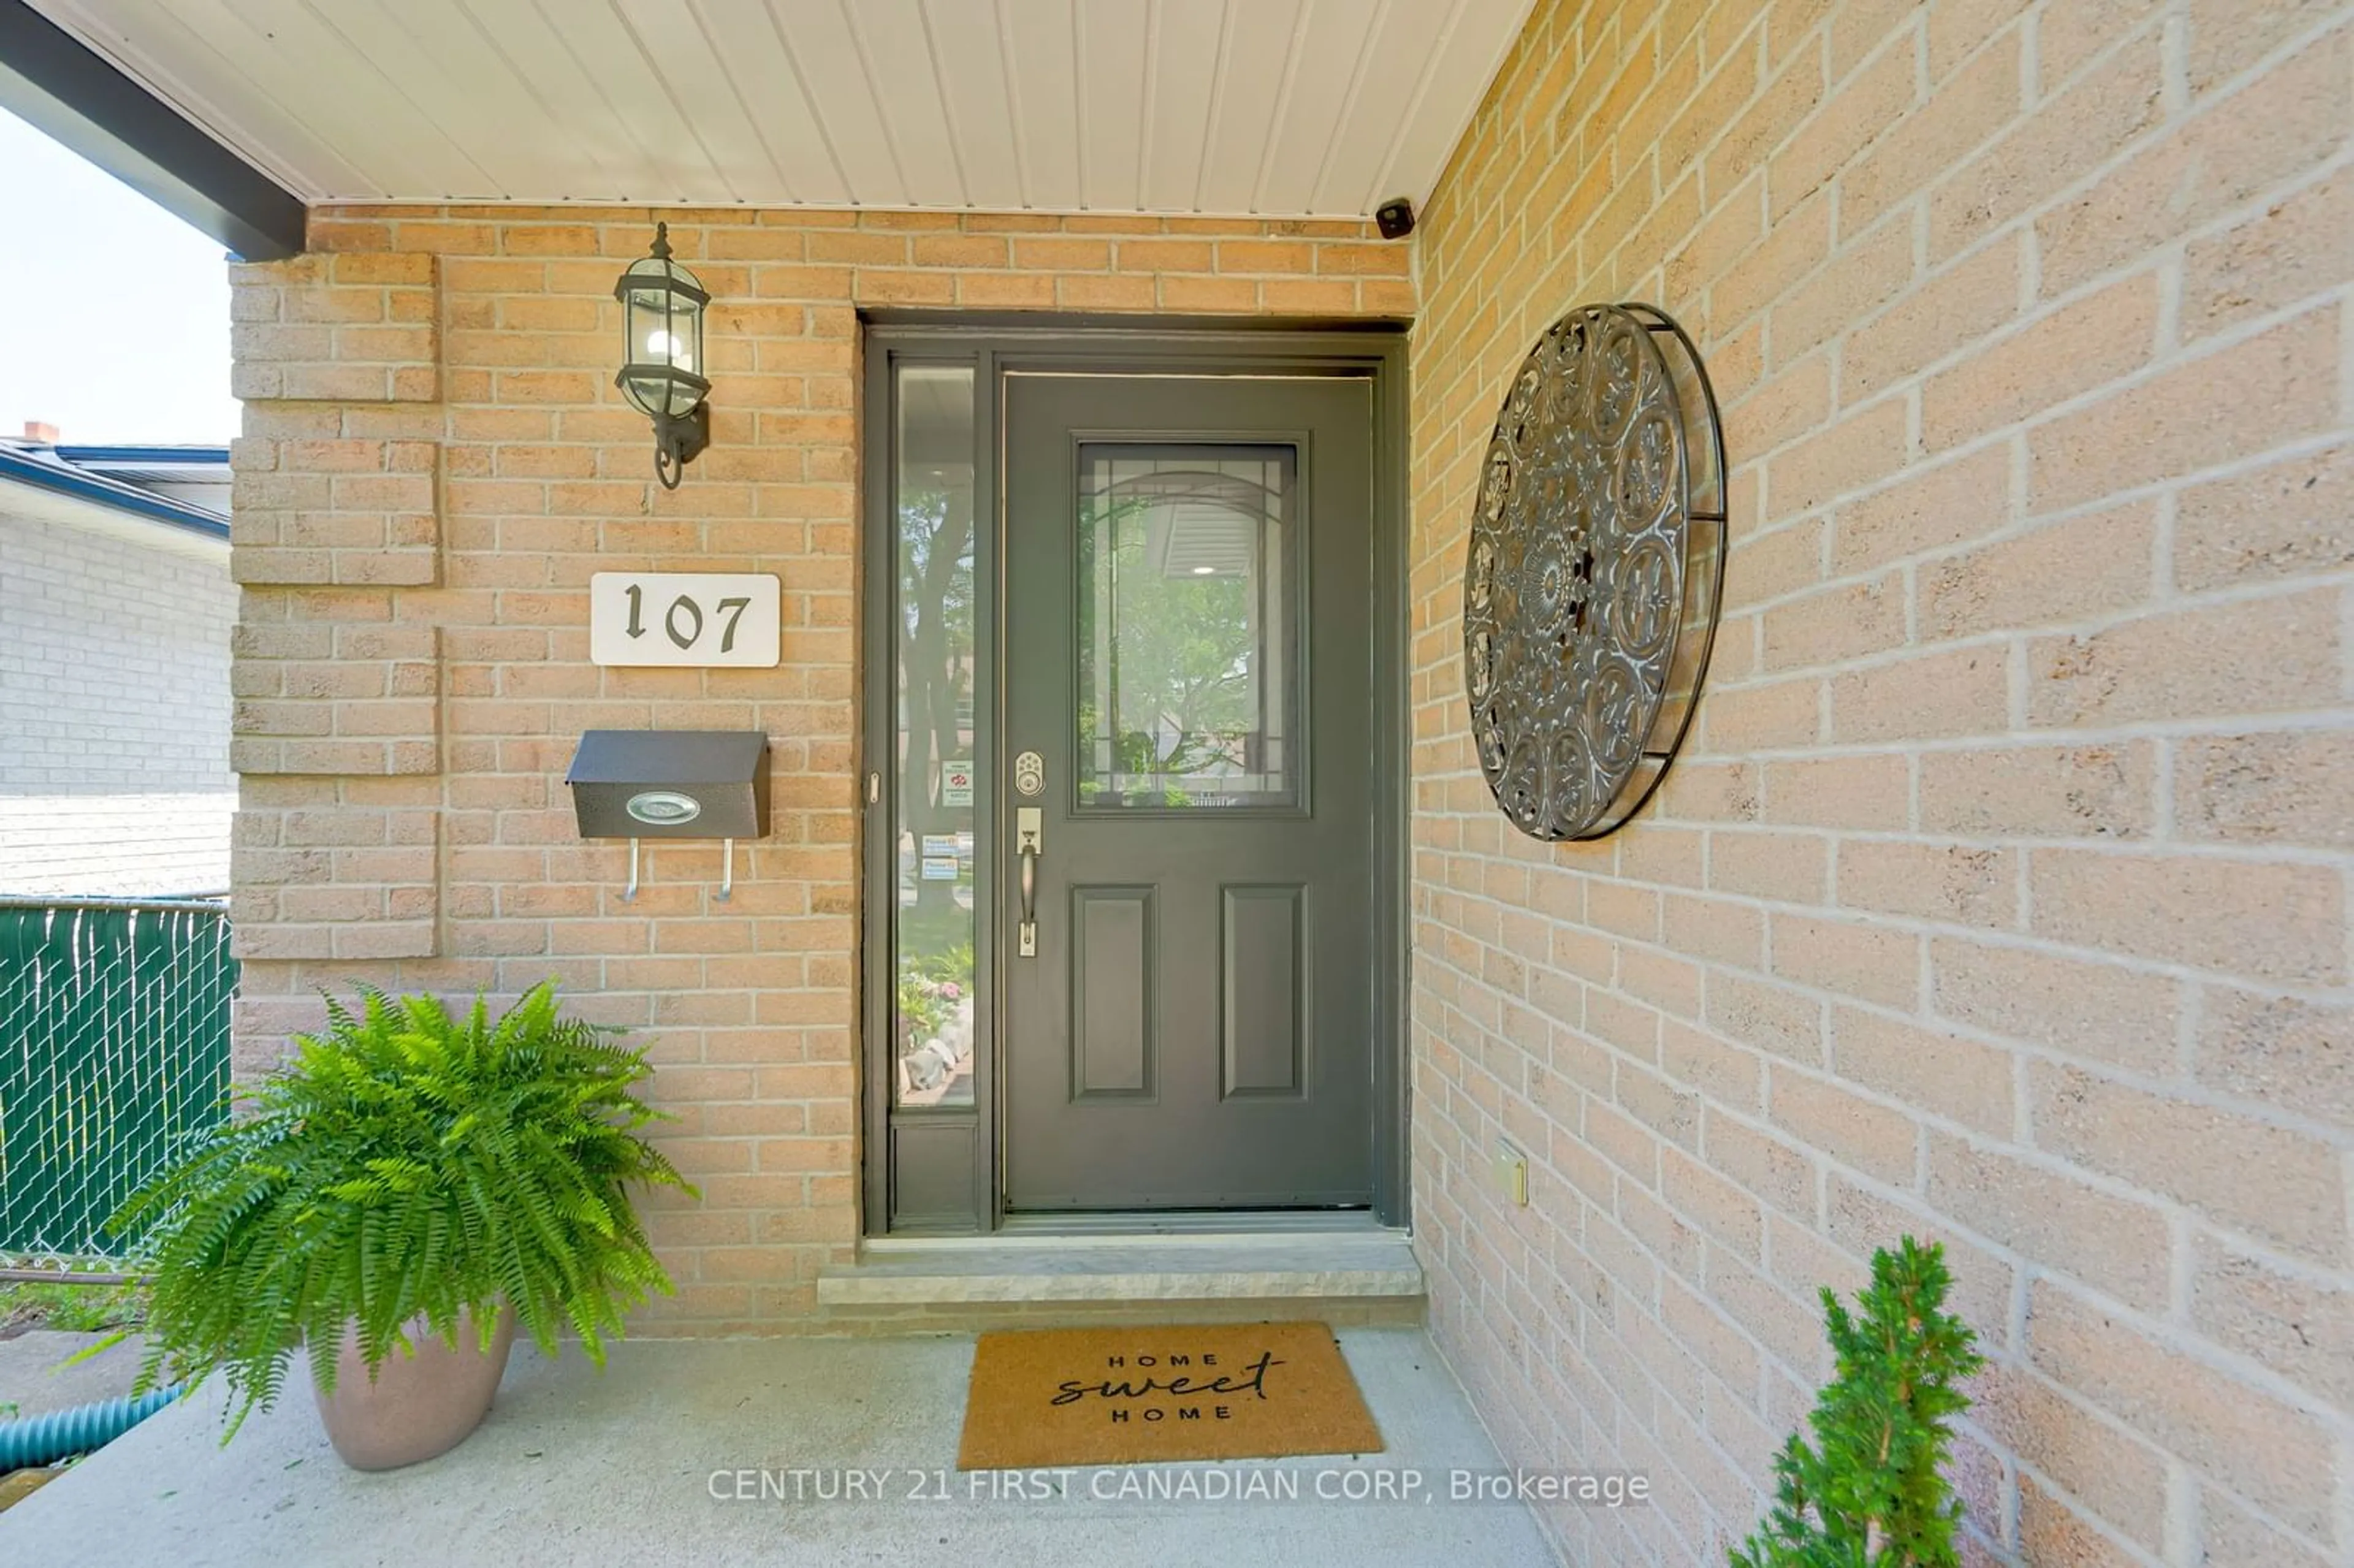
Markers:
670,784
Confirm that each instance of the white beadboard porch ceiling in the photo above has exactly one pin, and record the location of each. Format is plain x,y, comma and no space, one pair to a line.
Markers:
1273,108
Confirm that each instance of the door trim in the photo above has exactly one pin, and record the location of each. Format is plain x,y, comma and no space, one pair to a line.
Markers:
1079,345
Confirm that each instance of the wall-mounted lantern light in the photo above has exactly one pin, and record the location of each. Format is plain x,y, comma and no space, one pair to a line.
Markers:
661,354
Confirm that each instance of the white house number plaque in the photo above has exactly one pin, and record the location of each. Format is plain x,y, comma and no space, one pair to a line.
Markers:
698,619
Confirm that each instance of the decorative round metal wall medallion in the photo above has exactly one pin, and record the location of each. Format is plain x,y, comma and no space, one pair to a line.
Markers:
1596,566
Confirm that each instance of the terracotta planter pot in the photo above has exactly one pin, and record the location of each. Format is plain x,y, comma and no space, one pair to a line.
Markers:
417,1405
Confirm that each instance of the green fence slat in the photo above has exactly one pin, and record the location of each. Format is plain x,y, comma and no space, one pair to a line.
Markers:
114,1023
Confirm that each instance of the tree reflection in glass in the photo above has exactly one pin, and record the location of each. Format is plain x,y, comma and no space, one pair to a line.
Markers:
1184,632
933,996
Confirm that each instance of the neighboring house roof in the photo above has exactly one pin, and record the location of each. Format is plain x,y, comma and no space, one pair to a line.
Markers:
184,487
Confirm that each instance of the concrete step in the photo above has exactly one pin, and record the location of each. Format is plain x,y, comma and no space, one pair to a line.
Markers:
1359,1276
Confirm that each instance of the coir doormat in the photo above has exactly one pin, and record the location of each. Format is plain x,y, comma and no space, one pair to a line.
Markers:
1112,1396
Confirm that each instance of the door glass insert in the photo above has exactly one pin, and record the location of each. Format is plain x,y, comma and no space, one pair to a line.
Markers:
1187,688
933,515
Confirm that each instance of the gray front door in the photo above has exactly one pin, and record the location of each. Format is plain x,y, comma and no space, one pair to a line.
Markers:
1189,688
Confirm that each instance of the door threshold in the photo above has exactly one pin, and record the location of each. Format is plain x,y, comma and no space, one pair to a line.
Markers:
1113,1223
929,1284
1094,1227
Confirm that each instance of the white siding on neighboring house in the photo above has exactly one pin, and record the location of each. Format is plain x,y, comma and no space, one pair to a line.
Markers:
115,705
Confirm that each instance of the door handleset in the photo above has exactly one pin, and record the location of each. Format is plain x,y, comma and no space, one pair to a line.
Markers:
1029,832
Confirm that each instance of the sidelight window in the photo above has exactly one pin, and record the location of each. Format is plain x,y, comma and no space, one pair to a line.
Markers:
934,514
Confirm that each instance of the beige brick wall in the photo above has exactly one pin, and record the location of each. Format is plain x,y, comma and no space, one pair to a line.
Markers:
434,462
2001,894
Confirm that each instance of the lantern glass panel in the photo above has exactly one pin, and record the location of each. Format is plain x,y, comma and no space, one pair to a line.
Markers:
664,333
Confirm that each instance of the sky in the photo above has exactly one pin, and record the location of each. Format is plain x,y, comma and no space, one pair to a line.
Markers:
117,311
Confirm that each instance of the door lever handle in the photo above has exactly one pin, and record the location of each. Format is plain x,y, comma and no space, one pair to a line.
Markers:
1028,835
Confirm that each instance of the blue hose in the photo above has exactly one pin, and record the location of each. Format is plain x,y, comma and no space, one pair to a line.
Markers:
62,1434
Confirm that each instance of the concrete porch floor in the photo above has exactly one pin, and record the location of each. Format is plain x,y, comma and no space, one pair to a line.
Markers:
575,1467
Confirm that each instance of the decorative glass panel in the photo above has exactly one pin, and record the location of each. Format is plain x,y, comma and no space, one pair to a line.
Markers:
933,1002
1187,695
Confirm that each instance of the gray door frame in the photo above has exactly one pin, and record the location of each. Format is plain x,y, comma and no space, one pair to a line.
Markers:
952,1156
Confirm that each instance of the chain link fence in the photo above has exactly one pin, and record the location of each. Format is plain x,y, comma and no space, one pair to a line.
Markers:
114,1018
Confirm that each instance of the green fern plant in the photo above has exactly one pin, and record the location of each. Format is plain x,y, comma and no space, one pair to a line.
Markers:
405,1162
1868,1492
